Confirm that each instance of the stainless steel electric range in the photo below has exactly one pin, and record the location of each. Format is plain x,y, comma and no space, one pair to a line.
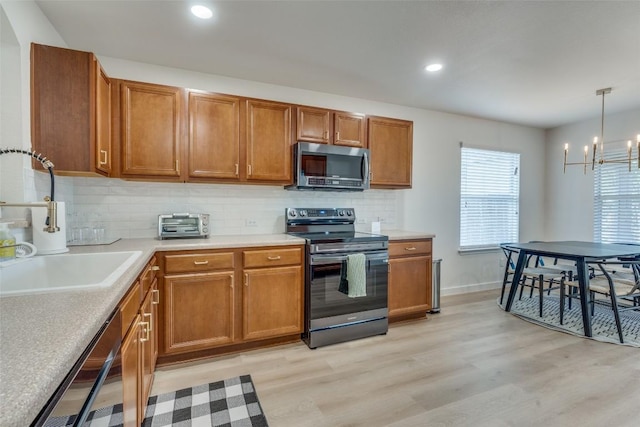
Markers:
346,276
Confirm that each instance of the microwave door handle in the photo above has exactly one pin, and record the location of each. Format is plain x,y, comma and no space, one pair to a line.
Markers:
365,164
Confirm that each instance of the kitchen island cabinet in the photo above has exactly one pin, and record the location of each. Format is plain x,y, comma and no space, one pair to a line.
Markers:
70,110
410,263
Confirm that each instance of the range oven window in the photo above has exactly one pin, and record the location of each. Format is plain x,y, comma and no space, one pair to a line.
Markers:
331,165
327,293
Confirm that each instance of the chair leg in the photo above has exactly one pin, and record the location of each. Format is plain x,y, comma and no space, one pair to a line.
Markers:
562,290
533,285
504,282
616,314
541,288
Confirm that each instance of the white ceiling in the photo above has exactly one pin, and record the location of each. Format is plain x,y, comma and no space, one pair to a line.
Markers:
535,63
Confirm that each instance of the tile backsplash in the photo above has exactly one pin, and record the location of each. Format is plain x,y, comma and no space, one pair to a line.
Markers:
129,209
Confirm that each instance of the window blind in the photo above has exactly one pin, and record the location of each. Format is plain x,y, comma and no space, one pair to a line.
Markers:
616,200
489,198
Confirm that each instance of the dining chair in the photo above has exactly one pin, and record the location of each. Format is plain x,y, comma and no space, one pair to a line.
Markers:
619,281
538,276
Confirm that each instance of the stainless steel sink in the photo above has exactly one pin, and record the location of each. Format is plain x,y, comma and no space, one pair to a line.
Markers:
54,273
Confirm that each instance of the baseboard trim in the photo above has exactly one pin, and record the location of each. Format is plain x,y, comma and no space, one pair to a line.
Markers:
467,289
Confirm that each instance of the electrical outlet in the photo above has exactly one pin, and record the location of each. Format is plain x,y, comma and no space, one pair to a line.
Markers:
251,222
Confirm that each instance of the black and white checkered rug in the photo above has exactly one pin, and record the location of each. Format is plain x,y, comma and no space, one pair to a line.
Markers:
603,323
229,403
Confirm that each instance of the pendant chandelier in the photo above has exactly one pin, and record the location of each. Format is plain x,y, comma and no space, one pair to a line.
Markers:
599,143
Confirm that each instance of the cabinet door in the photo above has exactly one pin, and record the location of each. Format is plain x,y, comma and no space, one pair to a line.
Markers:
147,343
391,145
214,136
314,125
103,120
268,135
62,108
151,130
409,285
349,129
130,359
198,311
272,302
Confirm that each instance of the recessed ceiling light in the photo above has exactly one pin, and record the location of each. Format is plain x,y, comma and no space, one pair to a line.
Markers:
202,12
433,67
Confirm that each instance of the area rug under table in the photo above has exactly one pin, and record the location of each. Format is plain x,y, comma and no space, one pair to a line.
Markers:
603,323
229,403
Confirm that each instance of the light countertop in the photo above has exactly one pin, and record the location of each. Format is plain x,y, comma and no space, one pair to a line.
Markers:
42,335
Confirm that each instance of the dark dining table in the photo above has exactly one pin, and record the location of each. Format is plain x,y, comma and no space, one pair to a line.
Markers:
581,253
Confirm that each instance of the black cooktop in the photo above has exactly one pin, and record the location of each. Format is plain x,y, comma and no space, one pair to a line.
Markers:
341,237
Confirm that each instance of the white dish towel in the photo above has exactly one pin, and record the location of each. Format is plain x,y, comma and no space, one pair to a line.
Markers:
357,275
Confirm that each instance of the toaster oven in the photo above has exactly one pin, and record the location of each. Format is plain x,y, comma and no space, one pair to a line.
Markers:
182,225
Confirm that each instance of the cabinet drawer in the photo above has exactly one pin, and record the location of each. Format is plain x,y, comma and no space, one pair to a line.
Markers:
148,276
272,257
198,262
410,248
130,306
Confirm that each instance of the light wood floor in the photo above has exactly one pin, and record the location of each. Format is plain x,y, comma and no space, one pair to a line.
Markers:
470,365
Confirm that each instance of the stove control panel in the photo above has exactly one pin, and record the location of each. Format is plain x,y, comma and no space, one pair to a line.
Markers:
320,213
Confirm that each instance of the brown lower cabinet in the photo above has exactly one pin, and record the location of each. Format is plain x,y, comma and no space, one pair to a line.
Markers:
409,278
215,299
138,352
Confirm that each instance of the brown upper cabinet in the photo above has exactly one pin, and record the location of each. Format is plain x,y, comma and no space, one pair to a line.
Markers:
214,136
151,131
330,127
70,110
268,141
391,145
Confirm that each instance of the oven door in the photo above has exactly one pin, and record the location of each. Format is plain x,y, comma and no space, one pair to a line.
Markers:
328,304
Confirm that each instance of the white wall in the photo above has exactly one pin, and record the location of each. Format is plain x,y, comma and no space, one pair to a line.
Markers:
431,206
569,196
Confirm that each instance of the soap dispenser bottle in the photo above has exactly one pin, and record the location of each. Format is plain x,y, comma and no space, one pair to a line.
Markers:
6,239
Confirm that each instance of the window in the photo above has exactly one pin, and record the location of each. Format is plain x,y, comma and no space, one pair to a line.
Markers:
616,201
489,198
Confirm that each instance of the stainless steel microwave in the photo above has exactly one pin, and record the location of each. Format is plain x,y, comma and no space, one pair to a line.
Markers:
330,167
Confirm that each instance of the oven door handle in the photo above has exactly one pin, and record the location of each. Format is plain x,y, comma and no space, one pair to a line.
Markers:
323,260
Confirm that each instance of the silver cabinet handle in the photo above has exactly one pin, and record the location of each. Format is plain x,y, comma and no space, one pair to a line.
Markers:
201,262
236,169
155,268
410,249
105,154
145,325
273,258
150,322
156,297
